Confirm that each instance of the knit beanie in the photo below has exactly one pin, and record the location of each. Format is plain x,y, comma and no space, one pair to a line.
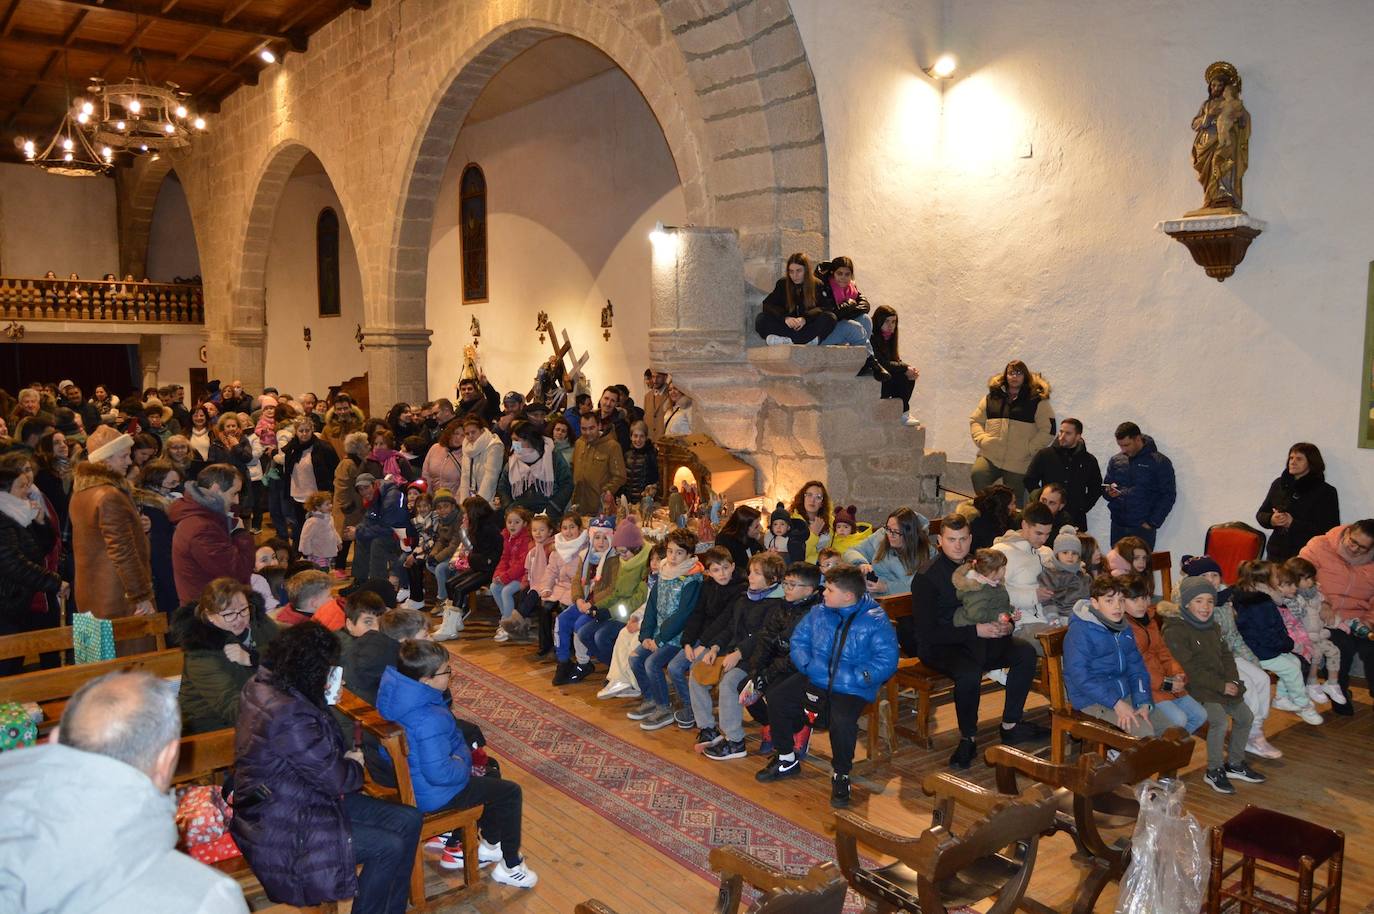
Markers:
779,513
442,496
846,516
1194,565
602,521
105,442
627,536
1195,585
1068,541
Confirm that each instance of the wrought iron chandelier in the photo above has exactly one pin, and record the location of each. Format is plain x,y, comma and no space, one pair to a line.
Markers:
137,115
69,152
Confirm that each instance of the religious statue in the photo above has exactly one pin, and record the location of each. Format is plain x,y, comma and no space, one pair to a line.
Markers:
1221,142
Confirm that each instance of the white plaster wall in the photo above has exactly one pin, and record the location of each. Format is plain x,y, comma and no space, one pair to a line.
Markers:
293,301
1054,259
575,182
179,355
48,222
172,248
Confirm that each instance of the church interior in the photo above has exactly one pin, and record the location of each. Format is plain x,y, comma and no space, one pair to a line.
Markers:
382,196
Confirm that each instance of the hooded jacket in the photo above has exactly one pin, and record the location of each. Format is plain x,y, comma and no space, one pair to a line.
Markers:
58,799
439,758
109,546
713,607
866,659
1259,623
1147,487
1315,507
210,681
482,461
1024,565
1347,583
514,551
770,661
978,602
1205,658
1101,666
204,545
386,513
298,843
1009,432
1075,469
1149,640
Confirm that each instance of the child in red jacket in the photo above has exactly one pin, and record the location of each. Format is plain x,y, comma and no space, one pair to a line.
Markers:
509,578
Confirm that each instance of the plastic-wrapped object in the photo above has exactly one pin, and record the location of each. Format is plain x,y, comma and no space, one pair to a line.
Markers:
1168,868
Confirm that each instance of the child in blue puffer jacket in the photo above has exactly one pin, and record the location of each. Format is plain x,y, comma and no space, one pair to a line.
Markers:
412,694
844,651
1104,674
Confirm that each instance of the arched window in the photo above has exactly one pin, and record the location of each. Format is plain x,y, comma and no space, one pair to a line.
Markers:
327,262
472,210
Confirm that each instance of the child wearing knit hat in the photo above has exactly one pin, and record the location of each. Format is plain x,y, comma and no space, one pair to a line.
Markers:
848,532
1064,575
781,538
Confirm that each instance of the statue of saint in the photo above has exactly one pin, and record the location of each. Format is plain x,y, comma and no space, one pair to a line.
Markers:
1221,142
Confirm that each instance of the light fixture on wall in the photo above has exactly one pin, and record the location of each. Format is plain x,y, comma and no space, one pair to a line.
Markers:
662,236
943,68
475,328
307,338
541,325
267,56
607,319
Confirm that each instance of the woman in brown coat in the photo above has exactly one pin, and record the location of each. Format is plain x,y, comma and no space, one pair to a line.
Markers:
348,504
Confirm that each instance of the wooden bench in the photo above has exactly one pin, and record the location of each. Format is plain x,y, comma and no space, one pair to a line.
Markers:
50,689
1062,714
48,640
392,736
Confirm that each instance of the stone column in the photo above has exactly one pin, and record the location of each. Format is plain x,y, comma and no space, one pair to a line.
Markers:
397,366
149,358
238,353
697,312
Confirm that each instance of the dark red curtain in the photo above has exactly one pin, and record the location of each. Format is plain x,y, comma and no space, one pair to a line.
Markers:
112,364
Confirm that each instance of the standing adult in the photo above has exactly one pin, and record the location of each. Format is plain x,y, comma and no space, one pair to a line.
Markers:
641,463
159,486
109,542
656,402
54,475
200,435
310,411
209,541
1068,462
598,466
483,455
443,466
613,418
1344,558
308,465
1140,485
476,396
1013,421
535,476
965,652
342,420
348,502
1301,504
677,421
27,541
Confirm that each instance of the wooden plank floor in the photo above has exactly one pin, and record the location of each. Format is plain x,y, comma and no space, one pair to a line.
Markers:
1325,776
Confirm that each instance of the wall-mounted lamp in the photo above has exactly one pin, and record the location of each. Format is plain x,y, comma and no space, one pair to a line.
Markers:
944,67
607,318
661,237
266,56
475,328
358,335
541,325
307,339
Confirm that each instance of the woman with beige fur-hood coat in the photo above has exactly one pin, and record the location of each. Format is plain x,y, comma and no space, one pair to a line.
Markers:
1013,421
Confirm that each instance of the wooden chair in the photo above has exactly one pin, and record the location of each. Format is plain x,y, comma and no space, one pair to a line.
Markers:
1098,793
820,891
1232,543
1163,563
50,689
46,640
1062,714
392,736
938,871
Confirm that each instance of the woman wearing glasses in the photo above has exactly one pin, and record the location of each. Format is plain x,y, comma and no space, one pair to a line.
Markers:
223,635
893,554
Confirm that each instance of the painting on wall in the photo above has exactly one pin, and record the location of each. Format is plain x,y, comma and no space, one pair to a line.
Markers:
1367,368
472,221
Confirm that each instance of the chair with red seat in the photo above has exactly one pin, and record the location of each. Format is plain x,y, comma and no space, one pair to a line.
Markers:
1288,847
1233,543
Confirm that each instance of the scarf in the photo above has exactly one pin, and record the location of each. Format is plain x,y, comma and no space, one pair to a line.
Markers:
23,511
757,595
689,565
599,560
1195,622
568,548
266,427
1074,567
200,442
386,457
1110,625
537,474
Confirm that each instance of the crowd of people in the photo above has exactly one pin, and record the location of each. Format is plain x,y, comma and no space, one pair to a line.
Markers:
299,547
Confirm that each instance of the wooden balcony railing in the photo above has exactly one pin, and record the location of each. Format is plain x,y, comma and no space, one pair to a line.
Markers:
95,300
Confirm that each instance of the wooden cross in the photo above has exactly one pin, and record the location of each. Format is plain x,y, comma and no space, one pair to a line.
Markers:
558,351
578,361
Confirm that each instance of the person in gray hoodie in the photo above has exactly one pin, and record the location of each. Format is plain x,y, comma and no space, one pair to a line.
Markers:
102,787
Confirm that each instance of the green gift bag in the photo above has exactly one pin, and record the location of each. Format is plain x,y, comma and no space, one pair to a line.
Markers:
92,638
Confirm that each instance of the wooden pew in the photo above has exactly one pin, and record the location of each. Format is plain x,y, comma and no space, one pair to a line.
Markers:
1063,715
393,738
46,640
51,688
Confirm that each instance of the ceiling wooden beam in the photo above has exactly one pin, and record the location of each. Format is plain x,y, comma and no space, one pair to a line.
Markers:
221,23
85,46
7,20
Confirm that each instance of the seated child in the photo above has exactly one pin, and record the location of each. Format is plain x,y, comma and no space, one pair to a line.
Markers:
569,545
783,537
424,521
1130,555
1091,553
440,761
848,532
719,588
362,614
982,595
724,649
1173,706
671,602
1064,575
306,592
620,679
474,562
1306,604
1194,638
445,538
320,541
596,640
539,580
592,581
826,559
263,558
844,650
509,577
1260,624
374,651
1103,673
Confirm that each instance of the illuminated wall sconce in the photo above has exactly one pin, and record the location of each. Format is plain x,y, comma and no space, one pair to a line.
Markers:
944,67
475,328
661,236
307,339
607,317
358,336
541,325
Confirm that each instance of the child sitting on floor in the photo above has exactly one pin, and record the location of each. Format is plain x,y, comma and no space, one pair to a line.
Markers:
320,541
592,581
1130,555
671,602
1104,674
1306,605
1194,639
1064,575
979,586
508,579
1173,706
1260,624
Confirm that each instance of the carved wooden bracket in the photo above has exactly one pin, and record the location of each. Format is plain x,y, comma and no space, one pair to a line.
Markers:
1218,243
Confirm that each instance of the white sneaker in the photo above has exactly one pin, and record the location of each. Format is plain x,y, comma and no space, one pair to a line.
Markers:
1284,703
520,876
487,854
615,689
438,842
1310,715
501,636
453,624
1317,694
414,604
1333,689
1258,745
402,594
775,339
998,676
910,421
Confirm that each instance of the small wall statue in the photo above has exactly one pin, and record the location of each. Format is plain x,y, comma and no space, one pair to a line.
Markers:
1221,142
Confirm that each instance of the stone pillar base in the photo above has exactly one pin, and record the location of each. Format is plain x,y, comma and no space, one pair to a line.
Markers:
397,366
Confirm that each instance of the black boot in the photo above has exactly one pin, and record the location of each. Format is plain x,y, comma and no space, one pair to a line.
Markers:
873,367
563,672
545,625
581,671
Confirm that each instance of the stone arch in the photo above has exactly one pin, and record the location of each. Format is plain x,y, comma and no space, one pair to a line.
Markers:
136,194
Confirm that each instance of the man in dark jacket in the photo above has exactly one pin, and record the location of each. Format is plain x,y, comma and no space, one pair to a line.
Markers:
482,400
209,541
1140,485
1068,463
956,650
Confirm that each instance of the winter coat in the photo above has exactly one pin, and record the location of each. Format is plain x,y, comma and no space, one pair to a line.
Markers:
238,455
562,572
889,568
338,425
84,832
641,470
1010,432
155,507
538,571
298,841
319,539
1347,584
776,302
22,572
1149,640
1024,565
443,468
482,461
1315,507
867,658
631,586
1259,623
385,514
656,406
348,504
439,757
533,500
448,536
978,602
598,466
372,653
487,545
933,604
1075,469
1205,658
1147,487
1069,586
670,605
739,627
1101,666
514,551
1307,607
205,546
714,605
487,404
582,586
770,661
210,681
112,566
324,462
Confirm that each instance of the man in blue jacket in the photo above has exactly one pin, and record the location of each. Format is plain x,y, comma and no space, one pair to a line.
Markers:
1139,485
844,650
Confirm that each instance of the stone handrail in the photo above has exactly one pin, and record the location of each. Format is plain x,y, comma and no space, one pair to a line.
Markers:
96,300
